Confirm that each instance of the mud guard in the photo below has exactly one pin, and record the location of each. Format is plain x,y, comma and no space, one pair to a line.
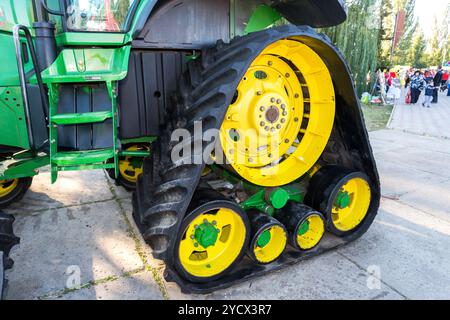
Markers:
314,13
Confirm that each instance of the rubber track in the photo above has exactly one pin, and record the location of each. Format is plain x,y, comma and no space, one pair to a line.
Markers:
159,208
7,241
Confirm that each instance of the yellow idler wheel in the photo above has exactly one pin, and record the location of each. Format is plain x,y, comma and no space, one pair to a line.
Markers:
351,204
282,116
213,240
269,238
305,225
13,190
343,195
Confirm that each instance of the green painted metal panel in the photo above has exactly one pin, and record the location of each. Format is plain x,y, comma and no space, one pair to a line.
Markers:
88,65
81,118
82,157
90,38
13,130
25,168
15,12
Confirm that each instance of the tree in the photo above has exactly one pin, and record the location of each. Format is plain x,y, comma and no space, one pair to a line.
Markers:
357,39
417,55
386,32
411,25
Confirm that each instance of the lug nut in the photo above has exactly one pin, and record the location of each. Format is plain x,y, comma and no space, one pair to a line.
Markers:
286,141
262,123
196,244
270,63
273,100
284,113
283,120
258,93
296,119
192,237
266,128
279,126
278,101
283,106
262,108
287,75
296,96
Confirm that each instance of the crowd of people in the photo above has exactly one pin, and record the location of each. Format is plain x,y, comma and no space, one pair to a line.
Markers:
428,81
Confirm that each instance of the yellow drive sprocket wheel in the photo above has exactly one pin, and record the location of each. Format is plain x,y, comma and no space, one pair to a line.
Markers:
213,241
282,116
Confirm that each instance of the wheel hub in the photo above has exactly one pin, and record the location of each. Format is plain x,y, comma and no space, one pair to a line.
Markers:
342,200
206,234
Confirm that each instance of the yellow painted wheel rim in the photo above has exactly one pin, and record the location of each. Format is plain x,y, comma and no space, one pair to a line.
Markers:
348,218
282,116
213,260
8,186
128,170
274,248
312,237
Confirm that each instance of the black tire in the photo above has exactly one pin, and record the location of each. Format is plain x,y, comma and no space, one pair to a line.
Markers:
17,194
2,277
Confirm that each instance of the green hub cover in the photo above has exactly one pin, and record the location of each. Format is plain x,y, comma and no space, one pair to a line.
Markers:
304,228
263,239
279,198
206,234
342,200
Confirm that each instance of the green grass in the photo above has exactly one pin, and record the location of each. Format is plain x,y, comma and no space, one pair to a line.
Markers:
376,116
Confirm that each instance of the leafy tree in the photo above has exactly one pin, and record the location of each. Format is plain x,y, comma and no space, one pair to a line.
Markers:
411,25
358,38
417,55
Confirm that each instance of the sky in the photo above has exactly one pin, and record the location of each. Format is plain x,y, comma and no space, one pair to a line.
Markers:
426,10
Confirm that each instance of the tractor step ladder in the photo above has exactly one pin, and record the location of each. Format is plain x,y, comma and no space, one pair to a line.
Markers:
85,67
106,158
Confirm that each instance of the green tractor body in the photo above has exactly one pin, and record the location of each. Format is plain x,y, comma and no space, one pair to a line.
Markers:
118,84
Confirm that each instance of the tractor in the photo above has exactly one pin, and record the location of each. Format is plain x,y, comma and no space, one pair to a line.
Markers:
235,125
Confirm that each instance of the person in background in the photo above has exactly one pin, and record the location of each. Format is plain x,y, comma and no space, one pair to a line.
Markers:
417,85
429,93
444,80
437,80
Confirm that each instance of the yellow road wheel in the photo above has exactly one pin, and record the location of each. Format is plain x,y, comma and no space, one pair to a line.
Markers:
13,190
7,187
310,232
282,116
351,204
306,226
214,239
269,239
130,168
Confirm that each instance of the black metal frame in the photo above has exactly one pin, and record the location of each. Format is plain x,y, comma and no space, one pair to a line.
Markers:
22,77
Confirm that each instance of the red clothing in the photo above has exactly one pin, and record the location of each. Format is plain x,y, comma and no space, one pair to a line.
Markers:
445,76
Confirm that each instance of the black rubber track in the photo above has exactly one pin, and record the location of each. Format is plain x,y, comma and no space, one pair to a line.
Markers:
7,241
165,189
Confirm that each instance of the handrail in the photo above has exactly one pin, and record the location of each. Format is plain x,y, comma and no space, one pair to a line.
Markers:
23,83
51,11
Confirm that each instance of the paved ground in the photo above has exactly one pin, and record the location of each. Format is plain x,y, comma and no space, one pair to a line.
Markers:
419,120
82,226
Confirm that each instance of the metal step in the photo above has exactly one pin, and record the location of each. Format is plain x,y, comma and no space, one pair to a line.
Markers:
79,158
81,118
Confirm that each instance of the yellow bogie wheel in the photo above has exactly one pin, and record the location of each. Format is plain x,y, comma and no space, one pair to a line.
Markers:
269,238
130,168
212,242
310,232
282,116
351,204
7,187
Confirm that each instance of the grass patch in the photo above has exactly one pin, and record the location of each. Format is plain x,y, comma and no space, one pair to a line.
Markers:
376,116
